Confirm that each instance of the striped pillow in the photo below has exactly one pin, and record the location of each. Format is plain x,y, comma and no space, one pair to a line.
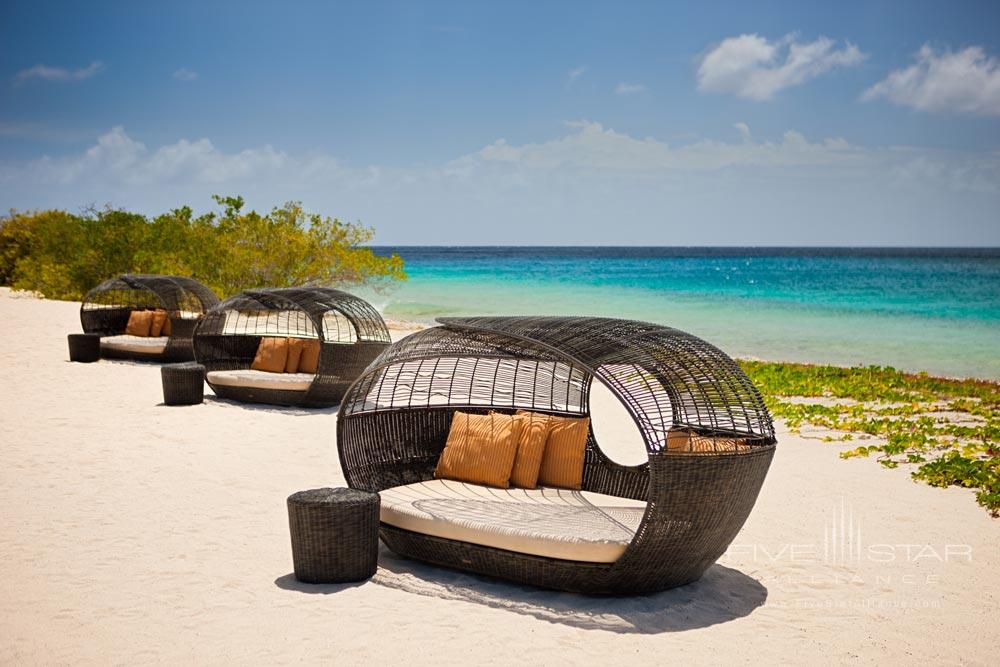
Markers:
562,462
139,323
480,449
531,432
272,353
688,442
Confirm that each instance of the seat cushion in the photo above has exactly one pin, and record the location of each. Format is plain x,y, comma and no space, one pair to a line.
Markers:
549,522
261,379
137,344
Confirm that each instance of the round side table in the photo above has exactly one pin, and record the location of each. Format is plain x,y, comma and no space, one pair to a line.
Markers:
334,535
183,384
84,347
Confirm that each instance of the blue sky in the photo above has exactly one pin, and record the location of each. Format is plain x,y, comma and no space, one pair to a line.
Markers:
638,123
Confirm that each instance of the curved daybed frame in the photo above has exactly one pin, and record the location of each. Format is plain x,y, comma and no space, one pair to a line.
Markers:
350,331
394,421
106,309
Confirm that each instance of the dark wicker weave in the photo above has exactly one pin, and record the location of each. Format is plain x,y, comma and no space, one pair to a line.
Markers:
183,384
106,309
350,330
334,535
394,421
85,348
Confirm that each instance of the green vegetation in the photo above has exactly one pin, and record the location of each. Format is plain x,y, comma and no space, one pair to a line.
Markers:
62,255
949,429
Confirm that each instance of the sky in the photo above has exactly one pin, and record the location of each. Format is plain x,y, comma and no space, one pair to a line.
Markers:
518,123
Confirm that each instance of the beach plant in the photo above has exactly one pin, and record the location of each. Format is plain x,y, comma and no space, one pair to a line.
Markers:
62,255
946,430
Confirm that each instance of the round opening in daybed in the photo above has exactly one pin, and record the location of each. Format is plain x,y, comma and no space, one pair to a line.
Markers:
146,317
587,523
613,427
291,346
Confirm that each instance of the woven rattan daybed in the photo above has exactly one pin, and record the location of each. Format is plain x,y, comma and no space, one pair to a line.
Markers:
348,332
107,308
630,529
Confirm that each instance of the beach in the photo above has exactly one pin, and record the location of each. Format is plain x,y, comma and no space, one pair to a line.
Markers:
139,533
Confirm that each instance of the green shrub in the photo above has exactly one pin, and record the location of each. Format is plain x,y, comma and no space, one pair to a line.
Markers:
62,255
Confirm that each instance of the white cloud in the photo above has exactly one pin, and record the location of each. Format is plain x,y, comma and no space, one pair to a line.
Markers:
966,81
752,67
576,73
629,88
60,74
592,146
787,189
118,160
184,74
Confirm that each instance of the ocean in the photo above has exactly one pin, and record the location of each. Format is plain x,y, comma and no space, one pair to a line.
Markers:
932,310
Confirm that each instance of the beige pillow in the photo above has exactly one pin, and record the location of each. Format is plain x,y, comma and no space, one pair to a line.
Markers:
160,319
165,331
139,322
272,353
562,462
295,347
310,356
480,450
682,440
531,429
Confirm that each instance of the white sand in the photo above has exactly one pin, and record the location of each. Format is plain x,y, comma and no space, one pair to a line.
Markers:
134,533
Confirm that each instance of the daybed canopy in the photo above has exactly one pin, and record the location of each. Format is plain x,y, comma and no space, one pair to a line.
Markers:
107,307
692,501
350,331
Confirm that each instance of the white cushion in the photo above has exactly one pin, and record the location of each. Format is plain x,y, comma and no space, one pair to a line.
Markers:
555,523
140,344
261,379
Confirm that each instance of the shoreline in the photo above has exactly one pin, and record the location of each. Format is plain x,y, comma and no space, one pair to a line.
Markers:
410,326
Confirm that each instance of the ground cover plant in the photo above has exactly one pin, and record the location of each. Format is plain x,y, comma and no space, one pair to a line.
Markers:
947,431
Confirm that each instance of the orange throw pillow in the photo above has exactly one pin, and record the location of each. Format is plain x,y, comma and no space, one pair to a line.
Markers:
160,319
531,432
295,347
680,440
562,462
165,331
310,356
480,450
272,353
139,322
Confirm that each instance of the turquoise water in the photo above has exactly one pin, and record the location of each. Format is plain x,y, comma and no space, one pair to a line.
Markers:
920,310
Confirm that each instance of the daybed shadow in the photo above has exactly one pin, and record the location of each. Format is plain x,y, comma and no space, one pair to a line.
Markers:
722,594
265,407
140,363
288,582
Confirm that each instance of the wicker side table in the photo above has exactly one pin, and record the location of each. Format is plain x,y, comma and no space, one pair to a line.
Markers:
84,347
183,384
334,535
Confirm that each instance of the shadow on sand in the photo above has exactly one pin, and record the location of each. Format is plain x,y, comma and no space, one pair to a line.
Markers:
266,407
722,594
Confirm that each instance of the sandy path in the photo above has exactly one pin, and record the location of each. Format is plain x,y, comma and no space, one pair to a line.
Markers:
133,532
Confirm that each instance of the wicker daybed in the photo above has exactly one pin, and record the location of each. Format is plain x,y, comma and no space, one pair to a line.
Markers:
107,308
629,529
348,332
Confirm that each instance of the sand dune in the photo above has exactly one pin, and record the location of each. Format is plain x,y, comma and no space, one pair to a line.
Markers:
135,533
